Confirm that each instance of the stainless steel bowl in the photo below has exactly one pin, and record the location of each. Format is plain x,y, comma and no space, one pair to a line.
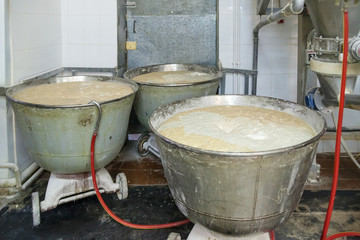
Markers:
151,96
237,193
58,137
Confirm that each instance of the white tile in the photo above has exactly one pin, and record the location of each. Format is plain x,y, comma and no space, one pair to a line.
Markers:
108,7
24,30
229,83
64,7
293,59
92,7
280,85
292,92
75,28
264,59
273,38
108,30
92,30
64,29
73,55
247,25
108,56
226,29
35,6
248,7
92,56
33,62
264,83
48,30
293,33
52,7
226,7
48,58
76,7
280,58
246,56
226,56
20,6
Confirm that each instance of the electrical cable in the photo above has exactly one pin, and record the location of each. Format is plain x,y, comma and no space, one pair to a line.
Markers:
101,200
338,136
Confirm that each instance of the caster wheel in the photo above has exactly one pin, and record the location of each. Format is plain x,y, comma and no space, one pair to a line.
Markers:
174,236
123,187
35,208
140,143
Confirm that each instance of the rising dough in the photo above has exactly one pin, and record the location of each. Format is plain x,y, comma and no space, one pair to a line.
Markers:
173,77
236,129
73,93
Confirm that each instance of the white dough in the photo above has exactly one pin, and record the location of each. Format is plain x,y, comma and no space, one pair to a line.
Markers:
236,129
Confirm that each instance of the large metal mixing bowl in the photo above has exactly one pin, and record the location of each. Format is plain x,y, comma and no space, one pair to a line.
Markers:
151,96
237,193
58,137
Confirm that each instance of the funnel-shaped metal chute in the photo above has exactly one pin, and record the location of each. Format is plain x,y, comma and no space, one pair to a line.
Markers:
326,15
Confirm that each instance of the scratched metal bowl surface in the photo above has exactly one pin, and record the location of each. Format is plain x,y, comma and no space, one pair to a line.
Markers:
237,193
58,137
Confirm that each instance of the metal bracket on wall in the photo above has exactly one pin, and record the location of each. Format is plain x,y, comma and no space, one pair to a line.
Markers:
130,4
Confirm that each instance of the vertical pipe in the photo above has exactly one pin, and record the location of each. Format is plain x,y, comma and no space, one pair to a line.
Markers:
292,7
246,91
255,61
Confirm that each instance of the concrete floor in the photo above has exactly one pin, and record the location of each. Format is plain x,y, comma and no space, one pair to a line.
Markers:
150,202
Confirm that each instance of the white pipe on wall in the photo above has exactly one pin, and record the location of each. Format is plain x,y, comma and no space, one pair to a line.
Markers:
11,182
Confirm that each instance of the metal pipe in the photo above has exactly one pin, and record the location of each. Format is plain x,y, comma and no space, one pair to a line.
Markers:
16,171
25,174
246,84
32,178
255,60
292,7
151,146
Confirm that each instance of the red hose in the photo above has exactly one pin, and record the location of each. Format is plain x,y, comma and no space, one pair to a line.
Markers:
272,235
343,234
116,218
338,137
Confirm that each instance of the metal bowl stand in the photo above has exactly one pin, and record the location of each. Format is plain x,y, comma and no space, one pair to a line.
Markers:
63,188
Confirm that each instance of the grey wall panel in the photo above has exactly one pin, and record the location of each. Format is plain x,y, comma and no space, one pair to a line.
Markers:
172,32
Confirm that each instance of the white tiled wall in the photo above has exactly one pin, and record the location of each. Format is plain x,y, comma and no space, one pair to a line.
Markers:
89,33
2,43
35,37
277,64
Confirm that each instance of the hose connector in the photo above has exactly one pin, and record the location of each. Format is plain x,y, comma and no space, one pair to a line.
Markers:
97,104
